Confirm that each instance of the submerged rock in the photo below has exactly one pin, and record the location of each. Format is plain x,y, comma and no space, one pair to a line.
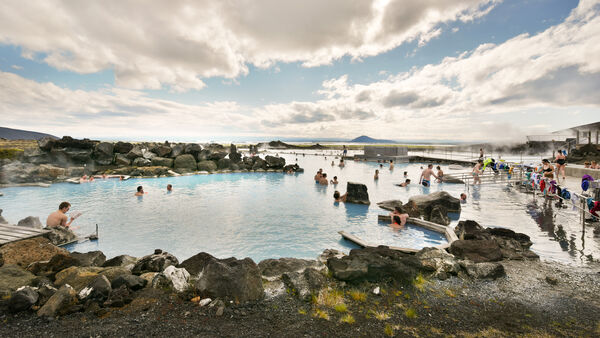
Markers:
357,193
425,203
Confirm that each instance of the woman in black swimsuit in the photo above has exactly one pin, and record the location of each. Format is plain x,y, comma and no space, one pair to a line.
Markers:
561,161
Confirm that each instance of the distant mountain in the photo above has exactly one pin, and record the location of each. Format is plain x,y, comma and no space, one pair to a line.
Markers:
367,139
18,134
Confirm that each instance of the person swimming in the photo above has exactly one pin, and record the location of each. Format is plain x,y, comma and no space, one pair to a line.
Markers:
334,181
169,188
406,183
398,218
440,174
338,197
323,180
405,174
140,191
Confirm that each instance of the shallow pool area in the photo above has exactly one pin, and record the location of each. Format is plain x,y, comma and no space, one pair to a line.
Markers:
271,215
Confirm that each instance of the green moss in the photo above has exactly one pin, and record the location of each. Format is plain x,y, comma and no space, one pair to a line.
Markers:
341,308
388,330
348,319
410,313
11,153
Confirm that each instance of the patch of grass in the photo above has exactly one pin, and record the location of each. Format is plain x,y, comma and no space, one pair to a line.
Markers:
357,295
487,332
410,313
11,153
381,315
321,314
436,331
398,293
348,319
302,311
449,293
330,297
341,308
419,282
388,330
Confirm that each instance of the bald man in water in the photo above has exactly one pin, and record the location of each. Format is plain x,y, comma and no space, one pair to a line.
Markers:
59,217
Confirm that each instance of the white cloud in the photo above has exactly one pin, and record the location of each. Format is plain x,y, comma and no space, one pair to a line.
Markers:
178,43
17,67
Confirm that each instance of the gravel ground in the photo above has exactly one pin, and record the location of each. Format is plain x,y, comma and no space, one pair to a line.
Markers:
534,299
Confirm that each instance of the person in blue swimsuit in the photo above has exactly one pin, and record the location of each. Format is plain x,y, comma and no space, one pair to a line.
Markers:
425,178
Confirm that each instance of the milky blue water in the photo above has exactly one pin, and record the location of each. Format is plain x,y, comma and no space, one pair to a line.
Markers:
270,215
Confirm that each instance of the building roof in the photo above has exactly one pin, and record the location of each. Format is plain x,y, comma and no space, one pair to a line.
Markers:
584,127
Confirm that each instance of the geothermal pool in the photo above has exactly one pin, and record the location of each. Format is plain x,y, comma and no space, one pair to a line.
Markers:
271,215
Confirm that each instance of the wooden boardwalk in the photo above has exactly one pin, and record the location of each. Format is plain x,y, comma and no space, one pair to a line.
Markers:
13,233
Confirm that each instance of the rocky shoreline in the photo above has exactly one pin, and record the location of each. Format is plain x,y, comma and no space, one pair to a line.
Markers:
489,283
58,160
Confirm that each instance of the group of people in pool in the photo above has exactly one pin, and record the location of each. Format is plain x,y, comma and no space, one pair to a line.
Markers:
140,190
321,178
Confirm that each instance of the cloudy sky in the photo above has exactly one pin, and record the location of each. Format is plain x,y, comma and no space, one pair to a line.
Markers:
466,70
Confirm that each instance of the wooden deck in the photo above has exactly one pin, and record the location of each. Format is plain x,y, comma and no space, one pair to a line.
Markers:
13,233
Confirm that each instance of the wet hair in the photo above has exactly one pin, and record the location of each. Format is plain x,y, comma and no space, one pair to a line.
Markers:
376,170
169,186
64,205
406,173
397,220
140,188
335,177
336,194
324,175
438,168
463,194
398,209
545,161
430,166
407,180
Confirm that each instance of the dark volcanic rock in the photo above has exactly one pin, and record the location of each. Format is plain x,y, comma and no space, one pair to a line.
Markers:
141,162
122,147
390,205
216,156
185,162
104,149
476,250
30,222
132,282
121,260
234,156
177,150
69,142
228,278
57,263
13,277
275,162
425,203
439,215
195,264
60,303
224,163
162,150
119,297
374,265
207,166
122,160
92,258
470,230
60,235
98,290
193,149
303,284
487,270
162,161
134,153
23,299
156,262
357,193
276,267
